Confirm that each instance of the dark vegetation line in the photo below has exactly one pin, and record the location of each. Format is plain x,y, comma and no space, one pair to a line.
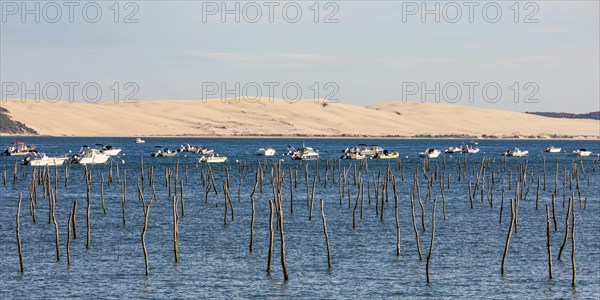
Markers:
595,115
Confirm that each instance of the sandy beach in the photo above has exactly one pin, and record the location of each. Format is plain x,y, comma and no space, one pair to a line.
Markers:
281,118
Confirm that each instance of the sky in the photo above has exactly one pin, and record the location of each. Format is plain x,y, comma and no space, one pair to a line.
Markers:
519,56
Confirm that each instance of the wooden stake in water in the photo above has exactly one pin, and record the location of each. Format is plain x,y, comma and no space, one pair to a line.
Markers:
56,239
18,233
397,218
326,234
573,264
432,239
412,209
252,223
146,208
549,246
271,237
567,219
89,208
69,224
282,242
510,230
175,230
74,219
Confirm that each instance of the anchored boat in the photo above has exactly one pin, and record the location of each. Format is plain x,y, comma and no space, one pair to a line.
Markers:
430,153
213,158
36,159
18,149
582,152
265,151
516,152
90,156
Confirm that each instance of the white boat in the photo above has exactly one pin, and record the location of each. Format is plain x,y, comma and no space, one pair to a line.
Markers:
204,150
582,152
266,151
430,153
213,158
41,160
552,149
453,150
371,150
89,156
354,155
110,151
188,148
304,153
470,150
516,152
139,141
166,152
19,149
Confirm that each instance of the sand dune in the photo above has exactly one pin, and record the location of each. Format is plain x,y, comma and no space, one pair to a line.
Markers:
280,118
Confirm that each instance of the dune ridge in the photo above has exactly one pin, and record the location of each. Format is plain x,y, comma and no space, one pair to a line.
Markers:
230,118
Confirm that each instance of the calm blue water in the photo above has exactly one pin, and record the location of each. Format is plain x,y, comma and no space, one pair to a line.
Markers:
214,258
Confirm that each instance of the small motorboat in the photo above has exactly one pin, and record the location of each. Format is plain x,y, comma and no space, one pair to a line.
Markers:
205,151
166,152
386,155
266,151
303,153
354,155
109,150
139,141
42,160
470,150
582,152
89,156
19,149
552,149
372,150
515,152
188,148
453,150
212,158
430,153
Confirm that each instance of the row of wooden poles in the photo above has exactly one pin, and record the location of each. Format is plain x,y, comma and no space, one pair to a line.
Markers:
484,173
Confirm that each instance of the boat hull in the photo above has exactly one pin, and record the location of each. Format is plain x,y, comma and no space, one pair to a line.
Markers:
47,162
265,152
389,156
95,160
213,160
111,152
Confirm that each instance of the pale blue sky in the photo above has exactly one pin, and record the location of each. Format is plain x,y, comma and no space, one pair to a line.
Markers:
369,53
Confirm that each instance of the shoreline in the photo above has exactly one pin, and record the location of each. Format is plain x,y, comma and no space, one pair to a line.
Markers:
2,135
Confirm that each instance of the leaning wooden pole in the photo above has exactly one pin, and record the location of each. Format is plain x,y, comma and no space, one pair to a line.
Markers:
574,265
146,208
56,237
567,222
326,234
252,224
89,207
548,244
271,237
282,242
69,224
175,230
510,230
18,233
